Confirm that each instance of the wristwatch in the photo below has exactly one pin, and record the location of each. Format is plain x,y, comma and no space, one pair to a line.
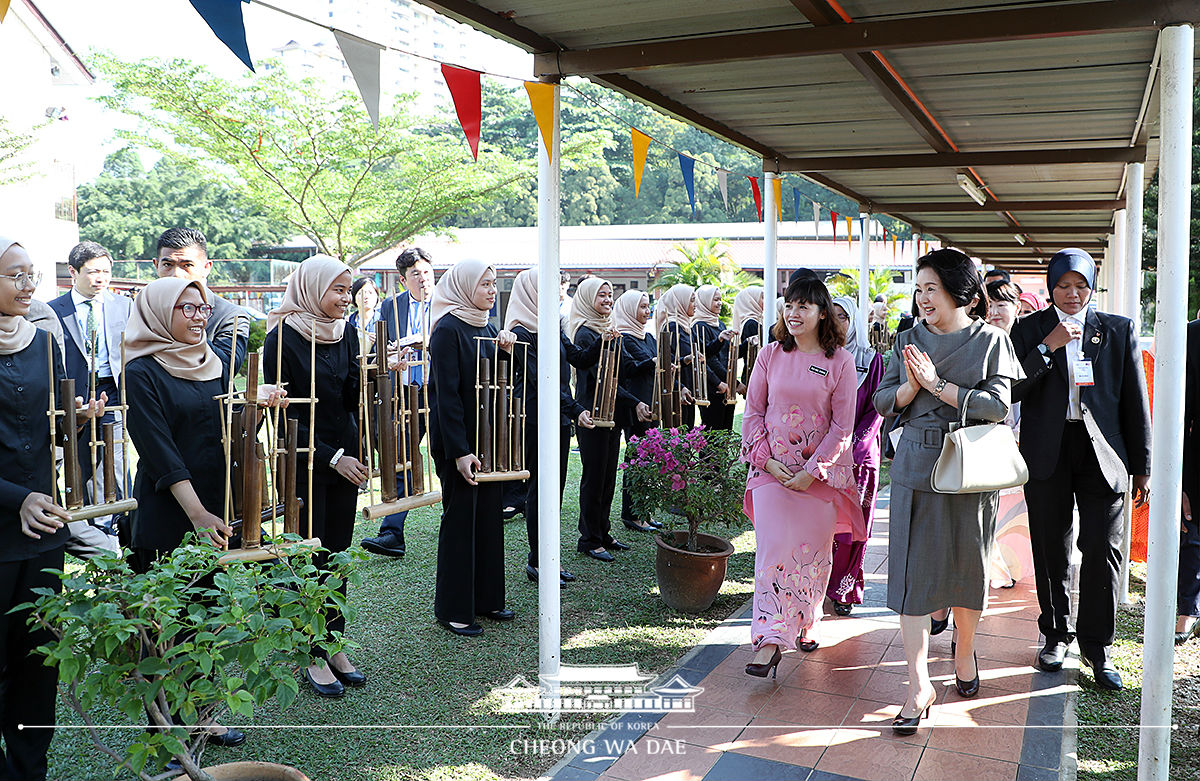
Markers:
333,462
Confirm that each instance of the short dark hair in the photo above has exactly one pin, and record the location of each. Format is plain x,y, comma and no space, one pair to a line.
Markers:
411,257
997,272
809,290
359,284
959,277
803,273
181,238
84,251
999,290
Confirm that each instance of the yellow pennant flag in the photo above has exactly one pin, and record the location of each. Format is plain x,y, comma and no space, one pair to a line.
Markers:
777,183
3,9
541,99
641,143
849,228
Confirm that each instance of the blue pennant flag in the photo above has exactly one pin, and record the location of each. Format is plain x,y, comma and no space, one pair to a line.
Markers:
796,197
225,19
688,166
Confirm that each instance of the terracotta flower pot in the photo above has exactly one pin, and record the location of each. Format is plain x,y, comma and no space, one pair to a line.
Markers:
251,771
689,582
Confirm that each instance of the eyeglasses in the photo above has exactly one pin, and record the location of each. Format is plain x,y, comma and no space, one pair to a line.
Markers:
24,280
191,310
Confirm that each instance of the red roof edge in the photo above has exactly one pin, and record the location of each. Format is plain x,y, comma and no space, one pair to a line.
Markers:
61,41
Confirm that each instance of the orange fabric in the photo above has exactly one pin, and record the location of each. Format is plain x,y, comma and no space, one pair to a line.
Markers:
1141,515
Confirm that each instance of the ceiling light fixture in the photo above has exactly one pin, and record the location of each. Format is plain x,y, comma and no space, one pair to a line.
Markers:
1020,239
970,188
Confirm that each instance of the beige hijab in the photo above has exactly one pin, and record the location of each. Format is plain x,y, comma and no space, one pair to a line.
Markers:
149,332
748,305
15,332
672,307
704,296
452,294
583,308
522,304
301,307
625,314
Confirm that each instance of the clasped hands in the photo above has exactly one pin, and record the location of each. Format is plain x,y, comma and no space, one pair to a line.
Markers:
793,481
921,371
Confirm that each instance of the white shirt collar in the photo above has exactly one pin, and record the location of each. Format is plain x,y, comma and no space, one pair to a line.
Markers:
78,299
1078,318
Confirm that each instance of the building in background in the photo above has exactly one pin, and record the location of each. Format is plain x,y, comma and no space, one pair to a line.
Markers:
44,80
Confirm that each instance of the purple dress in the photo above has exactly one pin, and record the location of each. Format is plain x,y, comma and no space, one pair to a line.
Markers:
846,579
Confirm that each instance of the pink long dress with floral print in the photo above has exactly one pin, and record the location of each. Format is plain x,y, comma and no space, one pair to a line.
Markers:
800,410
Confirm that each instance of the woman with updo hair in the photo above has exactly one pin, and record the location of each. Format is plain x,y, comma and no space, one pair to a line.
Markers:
940,544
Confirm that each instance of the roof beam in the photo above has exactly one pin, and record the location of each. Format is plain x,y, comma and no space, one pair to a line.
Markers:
1002,230
948,207
1107,154
499,25
1025,22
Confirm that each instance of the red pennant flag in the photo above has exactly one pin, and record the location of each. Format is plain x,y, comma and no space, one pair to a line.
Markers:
757,196
468,103
833,219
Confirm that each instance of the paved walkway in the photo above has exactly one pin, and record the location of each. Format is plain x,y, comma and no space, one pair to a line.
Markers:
828,714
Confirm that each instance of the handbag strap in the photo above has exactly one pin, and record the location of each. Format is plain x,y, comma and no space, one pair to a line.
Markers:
962,413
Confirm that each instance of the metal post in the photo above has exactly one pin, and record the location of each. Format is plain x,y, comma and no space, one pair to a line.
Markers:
864,271
1170,327
1115,255
549,520
1134,189
770,247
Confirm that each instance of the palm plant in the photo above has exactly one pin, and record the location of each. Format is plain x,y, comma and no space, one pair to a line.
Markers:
707,262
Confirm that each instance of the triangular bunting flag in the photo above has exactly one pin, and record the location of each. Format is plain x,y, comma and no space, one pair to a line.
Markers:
757,195
362,58
777,185
468,102
893,246
641,143
3,9
688,167
541,100
833,221
849,229
796,202
816,220
224,17
723,183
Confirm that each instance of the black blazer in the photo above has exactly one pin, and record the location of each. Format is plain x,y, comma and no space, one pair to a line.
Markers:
116,315
1191,409
1116,410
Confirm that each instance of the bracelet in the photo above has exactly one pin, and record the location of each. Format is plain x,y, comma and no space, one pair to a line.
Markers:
333,462
937,391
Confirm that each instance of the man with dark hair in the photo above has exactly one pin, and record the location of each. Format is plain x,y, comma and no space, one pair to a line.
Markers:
407,318
93,323
1085,430
183,253
992,274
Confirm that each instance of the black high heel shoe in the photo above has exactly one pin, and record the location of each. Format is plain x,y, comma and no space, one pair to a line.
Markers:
936,627
761,670
904,725
968,688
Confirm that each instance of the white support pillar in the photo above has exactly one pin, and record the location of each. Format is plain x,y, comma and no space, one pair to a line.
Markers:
864,271
1134,189
549,520
1176,44
1115,253
770,248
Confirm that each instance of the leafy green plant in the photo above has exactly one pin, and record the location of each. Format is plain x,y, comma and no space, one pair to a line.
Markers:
190,638
707,263
694,472
879,283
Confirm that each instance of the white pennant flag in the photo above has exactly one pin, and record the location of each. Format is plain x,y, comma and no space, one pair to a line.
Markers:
723,181
362,58
816,219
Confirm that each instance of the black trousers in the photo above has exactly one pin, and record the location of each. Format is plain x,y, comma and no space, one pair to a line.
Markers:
470,564
530,500
27,686
598,450
634,428
1188,598
1076,481
334,504
717,415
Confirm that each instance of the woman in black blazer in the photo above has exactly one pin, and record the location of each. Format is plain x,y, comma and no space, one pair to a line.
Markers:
639,352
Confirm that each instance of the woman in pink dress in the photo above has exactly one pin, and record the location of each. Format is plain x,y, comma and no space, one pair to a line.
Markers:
800,491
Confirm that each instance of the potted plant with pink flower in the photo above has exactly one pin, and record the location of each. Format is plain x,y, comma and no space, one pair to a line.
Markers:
697,474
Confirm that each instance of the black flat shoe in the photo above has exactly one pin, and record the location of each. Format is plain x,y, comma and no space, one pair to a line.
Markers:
1104,673
335,689
842,608
1052,655
353,678
968,688
386,544
499,615
937,627
598,554
470,630
566,577
903,725
618,545
634,526
771,666
531,572
230,738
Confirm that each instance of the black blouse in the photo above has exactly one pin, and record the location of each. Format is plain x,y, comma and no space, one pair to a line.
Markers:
452,399
638,357
569,408
25,457
175,425
337,391
586,359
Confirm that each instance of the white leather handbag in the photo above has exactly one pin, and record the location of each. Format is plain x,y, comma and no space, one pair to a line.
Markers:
977,459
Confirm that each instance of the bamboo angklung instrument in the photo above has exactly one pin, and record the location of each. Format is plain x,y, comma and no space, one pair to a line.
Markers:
753,345
604,406
667,406
699,370
731,373
403,476
499,415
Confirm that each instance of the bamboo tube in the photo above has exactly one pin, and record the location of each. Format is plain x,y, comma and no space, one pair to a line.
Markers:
387,440
124,425
71,470
291,502
731,373
53,414
227,421
110,466
312,420
485,415
414,438
93,434
502,428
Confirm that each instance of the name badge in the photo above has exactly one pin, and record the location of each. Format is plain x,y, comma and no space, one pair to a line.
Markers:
818,370
1083,373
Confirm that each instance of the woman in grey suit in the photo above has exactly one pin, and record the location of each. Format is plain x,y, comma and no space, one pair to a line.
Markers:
940,544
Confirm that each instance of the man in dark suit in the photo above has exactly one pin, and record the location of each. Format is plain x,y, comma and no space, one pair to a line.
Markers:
183,253
93,322
1187,621
406,315
1085,429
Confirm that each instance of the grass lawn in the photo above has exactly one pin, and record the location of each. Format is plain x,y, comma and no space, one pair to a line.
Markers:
1111,754
426,712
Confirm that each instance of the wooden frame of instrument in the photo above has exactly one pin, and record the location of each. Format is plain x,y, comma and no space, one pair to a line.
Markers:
608,369
499,438
752,349
667,404
699,370
397,411
731,373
